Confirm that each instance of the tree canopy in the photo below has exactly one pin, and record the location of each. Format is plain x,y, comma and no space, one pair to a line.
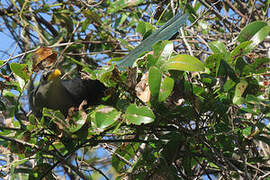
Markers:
193,106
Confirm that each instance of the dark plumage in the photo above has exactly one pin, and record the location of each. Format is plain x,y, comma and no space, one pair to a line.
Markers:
55,93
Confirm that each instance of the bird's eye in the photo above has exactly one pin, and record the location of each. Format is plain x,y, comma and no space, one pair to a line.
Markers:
45,76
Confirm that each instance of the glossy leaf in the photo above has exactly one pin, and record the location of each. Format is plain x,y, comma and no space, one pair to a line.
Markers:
20,70
104,117
144,27
184,62
228,85
121,4
162,52
239,90
260,36
239,51
166,88
250,30
217,47
254,32
139,115
160,87
80,121
154,80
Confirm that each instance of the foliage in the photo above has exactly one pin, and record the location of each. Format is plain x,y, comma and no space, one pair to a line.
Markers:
194,106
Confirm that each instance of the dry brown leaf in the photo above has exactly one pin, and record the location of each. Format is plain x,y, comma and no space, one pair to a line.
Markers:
45,57
142,89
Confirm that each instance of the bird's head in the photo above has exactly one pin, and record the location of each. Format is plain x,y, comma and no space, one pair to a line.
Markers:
42,95
50,76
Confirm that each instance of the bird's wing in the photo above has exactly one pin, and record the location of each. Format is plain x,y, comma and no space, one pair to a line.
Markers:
90,90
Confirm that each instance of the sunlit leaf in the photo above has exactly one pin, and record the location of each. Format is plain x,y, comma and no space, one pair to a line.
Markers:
239,51
254,32
20,70
154,81
247,131
120,4
166,88
217,47
239,90
184,62
228,85
144,27
162,52
78,124
104,116
139,115
45,57
250,30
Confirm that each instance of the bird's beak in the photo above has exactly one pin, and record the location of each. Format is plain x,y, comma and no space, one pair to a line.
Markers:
55,74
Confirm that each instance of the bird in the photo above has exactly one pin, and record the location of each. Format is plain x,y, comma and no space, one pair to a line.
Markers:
58,94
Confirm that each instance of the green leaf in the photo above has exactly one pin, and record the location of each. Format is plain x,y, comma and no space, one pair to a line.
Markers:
224,70
256,100
184,62
2,62
228,85
247,131
103,74
260,35
154,80
20,70
139,115
218,47
121,4
160,87
212,60
144,27
79,122
250,31
127,153
239,51
104,116
92,16
165,53
175,141
241,87
18,162
241,67
162,52
239,90
21,82
254,32
166,88
259,66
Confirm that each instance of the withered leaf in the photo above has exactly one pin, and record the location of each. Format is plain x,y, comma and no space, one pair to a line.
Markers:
45,57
